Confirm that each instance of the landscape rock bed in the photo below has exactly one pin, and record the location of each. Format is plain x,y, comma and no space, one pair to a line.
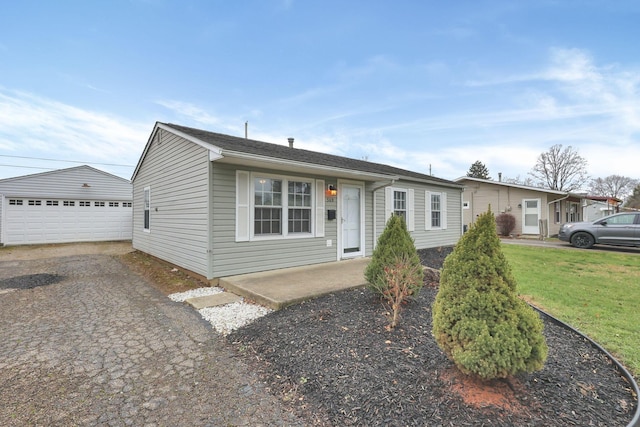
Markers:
332,360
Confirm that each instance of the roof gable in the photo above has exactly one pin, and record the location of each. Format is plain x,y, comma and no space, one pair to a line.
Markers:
75,182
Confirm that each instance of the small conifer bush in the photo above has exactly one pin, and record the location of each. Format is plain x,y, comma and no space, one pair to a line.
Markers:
478,319
395,243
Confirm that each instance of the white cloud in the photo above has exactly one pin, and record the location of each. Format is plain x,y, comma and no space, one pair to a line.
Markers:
39,127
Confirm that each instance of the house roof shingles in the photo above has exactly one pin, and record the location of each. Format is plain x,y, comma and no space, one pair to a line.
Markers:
259,148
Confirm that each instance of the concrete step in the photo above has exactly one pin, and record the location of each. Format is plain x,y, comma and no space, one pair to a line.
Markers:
223,298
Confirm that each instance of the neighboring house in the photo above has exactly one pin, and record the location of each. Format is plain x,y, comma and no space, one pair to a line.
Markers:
220,205
596,207
79,204
538,211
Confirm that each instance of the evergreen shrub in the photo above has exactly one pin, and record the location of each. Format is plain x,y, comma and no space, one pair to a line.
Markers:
478,320
394,244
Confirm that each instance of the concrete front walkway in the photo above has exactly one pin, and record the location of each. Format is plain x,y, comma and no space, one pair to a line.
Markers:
279,288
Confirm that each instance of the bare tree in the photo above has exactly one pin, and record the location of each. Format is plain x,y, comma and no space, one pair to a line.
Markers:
613,186
519,181
562,170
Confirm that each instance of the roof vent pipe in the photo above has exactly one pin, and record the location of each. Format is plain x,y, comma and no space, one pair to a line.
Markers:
499,176
290,142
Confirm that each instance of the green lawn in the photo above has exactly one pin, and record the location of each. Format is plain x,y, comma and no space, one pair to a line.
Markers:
597,293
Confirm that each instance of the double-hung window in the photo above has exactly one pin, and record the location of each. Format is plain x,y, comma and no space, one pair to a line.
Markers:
274,206
400,203
268,206
299,200
435,215
436,210
147,208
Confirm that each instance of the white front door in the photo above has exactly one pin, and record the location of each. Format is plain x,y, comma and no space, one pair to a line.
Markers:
530,216
351,217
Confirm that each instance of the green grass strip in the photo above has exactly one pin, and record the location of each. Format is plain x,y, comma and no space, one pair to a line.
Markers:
597,293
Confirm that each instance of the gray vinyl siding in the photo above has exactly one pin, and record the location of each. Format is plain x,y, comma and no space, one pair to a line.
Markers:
68,184
231,257
177,173
1,219
426,238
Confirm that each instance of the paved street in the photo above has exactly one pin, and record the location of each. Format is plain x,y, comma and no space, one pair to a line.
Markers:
102,347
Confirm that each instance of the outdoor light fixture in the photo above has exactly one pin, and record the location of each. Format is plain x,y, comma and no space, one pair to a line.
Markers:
331,191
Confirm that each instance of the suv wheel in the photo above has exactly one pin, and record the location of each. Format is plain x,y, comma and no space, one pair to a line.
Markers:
582,240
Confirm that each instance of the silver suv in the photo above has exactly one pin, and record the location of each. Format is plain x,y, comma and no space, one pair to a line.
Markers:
621,229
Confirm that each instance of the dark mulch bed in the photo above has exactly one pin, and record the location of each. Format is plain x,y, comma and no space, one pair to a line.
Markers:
333,361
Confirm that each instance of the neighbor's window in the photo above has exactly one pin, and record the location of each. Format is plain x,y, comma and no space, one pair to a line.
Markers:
69,203
573,212
436,210
85,203
126,204
268,206
147,208
98,204
557,216
16,202
35,202
114,204
52,203
400,203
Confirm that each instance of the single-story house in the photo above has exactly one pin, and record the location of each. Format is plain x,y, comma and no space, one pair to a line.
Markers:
78,204
537,211
596,207
220,205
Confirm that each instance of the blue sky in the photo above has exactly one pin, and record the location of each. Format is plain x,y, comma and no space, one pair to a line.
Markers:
423,85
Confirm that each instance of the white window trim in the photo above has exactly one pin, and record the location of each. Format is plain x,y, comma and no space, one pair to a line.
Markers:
145,208
389,208
427,210
245,207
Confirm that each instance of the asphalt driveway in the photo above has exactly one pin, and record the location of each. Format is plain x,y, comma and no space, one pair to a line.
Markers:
554,243
94,344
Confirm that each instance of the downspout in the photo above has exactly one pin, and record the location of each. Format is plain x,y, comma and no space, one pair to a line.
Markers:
549,205
375,202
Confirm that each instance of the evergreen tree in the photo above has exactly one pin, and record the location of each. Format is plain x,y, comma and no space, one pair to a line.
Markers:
633,202
394,244
478,319
478,170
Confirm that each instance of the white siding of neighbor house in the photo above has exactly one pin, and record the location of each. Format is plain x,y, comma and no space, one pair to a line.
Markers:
177,173
1,219
232,257
68,184
424,239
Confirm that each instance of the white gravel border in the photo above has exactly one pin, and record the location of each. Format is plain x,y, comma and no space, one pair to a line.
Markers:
225,318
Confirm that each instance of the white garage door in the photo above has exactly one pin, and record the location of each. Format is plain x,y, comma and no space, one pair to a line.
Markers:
59,221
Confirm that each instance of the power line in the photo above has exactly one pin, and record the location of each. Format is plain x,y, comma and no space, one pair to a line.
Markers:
28,167
58,160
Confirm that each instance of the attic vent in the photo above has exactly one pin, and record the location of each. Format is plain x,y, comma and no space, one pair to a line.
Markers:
290,142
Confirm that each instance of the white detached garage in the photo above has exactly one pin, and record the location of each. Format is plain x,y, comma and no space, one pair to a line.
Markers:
79,204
